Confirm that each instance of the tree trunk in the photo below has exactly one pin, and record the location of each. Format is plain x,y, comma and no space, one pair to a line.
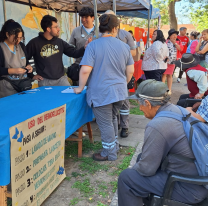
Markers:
172,16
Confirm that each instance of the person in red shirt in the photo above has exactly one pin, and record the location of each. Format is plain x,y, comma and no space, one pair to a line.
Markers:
185,41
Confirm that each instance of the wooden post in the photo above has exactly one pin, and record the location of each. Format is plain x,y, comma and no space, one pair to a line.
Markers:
89,130
80,142
3,195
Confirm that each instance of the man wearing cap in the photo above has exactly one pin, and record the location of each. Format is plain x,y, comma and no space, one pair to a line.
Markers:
185,41
163,137
196,76
126,37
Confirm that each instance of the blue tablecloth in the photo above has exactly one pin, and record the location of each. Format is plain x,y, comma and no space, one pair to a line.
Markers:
18,108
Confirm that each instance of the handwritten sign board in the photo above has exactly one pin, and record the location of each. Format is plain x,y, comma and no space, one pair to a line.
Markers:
37,157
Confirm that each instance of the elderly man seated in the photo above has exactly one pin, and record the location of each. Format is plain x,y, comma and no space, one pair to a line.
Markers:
196,76
163,137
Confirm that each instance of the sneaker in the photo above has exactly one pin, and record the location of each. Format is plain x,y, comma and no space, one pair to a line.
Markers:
178,80
169,92
124,132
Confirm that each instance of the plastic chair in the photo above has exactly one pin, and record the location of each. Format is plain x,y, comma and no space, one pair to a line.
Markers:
154,200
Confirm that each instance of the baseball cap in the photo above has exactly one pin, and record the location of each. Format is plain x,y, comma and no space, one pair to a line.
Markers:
151,90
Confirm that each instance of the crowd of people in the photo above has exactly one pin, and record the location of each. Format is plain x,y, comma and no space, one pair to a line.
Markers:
106,66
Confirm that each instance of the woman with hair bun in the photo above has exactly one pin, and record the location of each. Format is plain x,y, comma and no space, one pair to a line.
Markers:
155,58
109,65
193,43
13,62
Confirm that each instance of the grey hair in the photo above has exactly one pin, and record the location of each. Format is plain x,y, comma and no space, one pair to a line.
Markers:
182,28
155,103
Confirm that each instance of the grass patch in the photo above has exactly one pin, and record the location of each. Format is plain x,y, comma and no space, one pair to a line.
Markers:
125,162
84,187
100,204
102,189
136,111
114,185
76,174
71,148
91,166
74,201
133,102
68,178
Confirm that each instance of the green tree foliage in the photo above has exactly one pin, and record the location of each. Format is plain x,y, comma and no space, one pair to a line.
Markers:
199,17
163,6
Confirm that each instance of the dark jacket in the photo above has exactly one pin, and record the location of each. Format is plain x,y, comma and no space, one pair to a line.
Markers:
48,54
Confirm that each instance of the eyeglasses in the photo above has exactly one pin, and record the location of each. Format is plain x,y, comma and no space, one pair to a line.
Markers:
56,27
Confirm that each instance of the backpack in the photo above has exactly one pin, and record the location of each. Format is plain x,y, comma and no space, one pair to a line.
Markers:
197,135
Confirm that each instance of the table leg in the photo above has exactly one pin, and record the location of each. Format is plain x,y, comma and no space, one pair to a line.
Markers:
89,129
80,142
3,195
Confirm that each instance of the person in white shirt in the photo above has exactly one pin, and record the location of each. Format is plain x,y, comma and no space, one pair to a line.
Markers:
155,58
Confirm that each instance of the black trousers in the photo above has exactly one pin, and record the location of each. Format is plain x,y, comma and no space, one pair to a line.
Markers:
154,74
182,101
133,187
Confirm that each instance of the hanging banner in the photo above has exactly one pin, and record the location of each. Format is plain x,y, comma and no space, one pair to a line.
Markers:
37,157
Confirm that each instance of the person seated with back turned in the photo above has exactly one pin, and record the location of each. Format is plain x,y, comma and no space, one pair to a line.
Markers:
196,76
47,50
163,138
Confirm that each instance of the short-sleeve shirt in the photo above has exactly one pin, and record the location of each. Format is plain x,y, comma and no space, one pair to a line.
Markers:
107,83
78,41
126,37
203,109
184,40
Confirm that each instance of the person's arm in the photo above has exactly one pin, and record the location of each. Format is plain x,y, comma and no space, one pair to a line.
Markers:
204,50
129,72
201,79
153,152
129,68
28,66
193,46
198,45
130,42
71,51
179,46
198,116
83,77
72,40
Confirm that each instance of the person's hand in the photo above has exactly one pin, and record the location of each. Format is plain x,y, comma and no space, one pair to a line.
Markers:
200,39
173,41
29,68
189,109
87,42
199,96
199,52
77,90
37,77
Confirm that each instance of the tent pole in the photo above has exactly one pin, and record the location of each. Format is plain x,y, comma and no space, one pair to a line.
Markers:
96,18
114,6
147,46
4,9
